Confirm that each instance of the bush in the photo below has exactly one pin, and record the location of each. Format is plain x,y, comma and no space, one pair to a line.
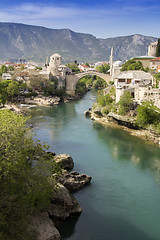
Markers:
25,175
100,83
104,100
147,115
80,88
125,103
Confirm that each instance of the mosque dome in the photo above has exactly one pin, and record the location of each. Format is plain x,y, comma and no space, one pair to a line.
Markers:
117,63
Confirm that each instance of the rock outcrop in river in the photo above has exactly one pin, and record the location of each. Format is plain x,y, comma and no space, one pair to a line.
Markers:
63,204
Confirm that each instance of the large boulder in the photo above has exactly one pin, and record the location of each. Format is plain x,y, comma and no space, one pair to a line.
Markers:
65,161
74,181
88,113
41,227
63,204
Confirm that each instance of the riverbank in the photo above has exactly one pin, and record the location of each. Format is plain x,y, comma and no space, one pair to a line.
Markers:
42,101
127,124
62,205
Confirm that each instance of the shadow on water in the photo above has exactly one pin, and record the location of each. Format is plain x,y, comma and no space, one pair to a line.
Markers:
67,227
98,227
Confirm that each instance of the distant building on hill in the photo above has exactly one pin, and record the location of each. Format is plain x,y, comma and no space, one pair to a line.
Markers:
152,49
145,60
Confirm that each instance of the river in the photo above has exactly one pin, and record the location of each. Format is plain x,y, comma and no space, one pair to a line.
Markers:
123,200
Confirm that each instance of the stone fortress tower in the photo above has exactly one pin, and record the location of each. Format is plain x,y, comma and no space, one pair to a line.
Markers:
55,62
57,71
152,49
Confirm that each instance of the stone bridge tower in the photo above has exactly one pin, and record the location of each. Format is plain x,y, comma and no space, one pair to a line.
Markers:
55,62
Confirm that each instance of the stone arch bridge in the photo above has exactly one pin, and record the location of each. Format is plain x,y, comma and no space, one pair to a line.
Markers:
71,80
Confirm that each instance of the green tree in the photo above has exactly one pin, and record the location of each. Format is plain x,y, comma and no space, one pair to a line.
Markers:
3,69
132,65
81,88
125,102
100,83
147,115
158,49
12,89
3,91
105,100
87,64
73,66
10,68
103,68
25,175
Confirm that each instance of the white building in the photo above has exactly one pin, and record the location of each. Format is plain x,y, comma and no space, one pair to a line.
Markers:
6,76
84,68
128,80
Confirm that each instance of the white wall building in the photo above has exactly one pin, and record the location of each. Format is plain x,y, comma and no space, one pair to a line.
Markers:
129,80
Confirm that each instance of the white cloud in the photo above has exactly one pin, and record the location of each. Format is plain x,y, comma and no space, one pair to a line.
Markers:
96,19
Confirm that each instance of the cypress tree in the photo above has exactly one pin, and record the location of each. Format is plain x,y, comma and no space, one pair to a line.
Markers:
158,49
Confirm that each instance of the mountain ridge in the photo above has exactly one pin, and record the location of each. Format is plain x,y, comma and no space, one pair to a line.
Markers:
18,40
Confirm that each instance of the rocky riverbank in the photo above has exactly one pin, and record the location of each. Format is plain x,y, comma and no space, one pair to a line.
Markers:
125,123
63,204
22,106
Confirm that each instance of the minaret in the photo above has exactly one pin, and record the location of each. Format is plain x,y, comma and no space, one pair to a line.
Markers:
47,62
111,62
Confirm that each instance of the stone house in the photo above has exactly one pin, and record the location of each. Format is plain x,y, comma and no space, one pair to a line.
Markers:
128,80
6,76
145,60
84,68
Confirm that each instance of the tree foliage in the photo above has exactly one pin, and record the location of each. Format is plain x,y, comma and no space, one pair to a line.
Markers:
12,89
103,68
25,175
147,114
104,100
132,65
73,66
3,69
158,49
100,83
125,102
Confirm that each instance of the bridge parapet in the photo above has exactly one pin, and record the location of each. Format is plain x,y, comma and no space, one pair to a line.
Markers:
71,80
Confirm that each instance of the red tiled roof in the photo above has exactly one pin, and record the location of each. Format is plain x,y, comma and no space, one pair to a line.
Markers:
156,59
84,66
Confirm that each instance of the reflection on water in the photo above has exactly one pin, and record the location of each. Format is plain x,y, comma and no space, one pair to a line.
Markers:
124,147
122,202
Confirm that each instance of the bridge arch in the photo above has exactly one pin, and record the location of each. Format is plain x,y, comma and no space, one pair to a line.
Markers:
71,80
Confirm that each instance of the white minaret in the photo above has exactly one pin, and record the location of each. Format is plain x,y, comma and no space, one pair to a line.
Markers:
111,62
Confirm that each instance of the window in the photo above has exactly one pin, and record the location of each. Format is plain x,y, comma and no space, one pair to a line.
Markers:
121,80
128,81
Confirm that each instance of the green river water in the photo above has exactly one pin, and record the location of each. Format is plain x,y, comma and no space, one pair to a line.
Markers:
123,200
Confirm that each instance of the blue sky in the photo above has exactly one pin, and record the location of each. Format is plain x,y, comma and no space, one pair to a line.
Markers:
102,18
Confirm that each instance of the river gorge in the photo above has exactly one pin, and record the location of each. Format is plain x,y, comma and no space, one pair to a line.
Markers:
123,199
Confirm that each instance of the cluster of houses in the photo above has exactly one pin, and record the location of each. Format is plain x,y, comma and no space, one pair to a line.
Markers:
20,74
140,84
